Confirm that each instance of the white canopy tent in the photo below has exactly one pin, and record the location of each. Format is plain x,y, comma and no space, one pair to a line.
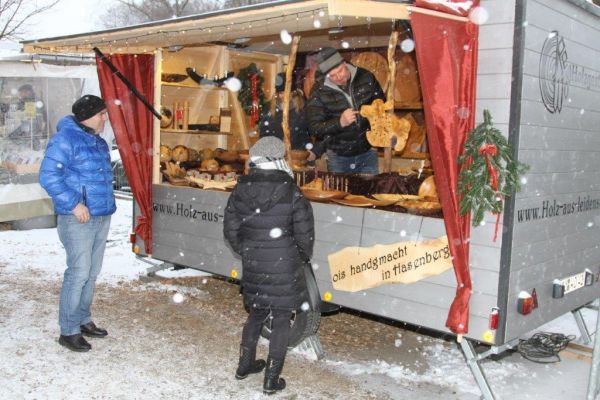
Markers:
26,124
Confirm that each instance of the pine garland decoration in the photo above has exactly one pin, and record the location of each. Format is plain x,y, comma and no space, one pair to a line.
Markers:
245,92
488,171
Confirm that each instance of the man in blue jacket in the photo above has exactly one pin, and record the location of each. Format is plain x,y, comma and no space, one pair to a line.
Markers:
77,174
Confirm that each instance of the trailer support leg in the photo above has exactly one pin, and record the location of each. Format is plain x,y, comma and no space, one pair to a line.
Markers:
313,345
155,266
473,363
593,382
585,334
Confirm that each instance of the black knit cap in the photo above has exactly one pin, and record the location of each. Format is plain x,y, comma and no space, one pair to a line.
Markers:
87,106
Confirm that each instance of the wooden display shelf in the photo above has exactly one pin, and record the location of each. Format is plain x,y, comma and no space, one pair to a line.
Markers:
193,86
408,106
194,132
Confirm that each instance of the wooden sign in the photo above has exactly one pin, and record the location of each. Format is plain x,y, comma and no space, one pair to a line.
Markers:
359,268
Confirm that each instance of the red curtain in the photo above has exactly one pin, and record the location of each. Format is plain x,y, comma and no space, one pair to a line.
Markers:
447,58
132,124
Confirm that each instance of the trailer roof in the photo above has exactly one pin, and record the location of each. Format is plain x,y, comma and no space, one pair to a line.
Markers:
260,23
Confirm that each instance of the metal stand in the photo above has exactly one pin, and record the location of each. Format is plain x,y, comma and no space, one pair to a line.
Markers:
312,344
156,266
585,334
593,382
473,358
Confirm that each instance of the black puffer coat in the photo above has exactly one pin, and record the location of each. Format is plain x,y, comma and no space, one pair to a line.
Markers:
269,223
326,104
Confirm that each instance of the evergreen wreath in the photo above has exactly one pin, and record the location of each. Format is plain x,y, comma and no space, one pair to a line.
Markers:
488,171
245,92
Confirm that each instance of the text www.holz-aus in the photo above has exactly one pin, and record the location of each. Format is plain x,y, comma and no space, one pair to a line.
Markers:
187,211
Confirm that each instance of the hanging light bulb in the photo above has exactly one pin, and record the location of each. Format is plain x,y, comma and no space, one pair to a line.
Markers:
285,36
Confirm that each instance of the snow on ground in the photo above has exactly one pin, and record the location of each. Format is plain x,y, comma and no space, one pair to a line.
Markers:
40,252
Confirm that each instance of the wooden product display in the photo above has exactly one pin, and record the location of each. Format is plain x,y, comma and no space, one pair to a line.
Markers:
165,153
428,188
204,132
385,125
180,153
407,89
374,62
416,137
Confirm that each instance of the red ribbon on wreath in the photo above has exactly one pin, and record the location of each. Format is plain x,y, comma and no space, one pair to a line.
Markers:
254,111
491,150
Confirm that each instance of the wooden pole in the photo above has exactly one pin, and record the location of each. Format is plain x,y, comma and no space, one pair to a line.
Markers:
387,150
286,99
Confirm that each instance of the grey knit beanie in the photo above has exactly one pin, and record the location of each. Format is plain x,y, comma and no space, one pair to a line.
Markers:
328,59
268,147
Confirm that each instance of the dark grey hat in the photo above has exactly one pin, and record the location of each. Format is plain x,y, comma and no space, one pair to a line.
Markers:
328,59
268,147
87,106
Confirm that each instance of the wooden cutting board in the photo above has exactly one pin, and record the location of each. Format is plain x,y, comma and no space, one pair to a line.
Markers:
374,62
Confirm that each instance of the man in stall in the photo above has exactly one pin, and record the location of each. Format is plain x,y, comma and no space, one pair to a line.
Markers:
333,113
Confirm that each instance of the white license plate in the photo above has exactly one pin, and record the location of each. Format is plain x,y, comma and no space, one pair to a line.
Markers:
574,282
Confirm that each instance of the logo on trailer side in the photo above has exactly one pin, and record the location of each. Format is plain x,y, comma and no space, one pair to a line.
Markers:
554,83
557,75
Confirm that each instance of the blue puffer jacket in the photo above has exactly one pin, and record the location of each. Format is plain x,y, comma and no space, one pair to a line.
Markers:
76,169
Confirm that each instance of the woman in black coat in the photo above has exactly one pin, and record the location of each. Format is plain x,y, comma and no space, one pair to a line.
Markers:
272,117
269,223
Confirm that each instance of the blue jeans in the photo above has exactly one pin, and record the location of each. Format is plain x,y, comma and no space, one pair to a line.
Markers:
365,163
84,244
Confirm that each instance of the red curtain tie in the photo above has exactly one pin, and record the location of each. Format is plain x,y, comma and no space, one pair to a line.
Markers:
491,150
254,114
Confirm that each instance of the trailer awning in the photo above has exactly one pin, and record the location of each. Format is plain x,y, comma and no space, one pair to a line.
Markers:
258,23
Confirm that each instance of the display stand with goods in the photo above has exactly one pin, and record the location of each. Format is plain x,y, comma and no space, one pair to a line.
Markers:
489,172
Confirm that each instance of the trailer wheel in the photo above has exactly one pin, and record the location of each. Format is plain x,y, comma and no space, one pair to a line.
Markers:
304,323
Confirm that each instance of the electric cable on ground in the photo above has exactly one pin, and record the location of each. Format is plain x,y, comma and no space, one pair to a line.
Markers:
543,347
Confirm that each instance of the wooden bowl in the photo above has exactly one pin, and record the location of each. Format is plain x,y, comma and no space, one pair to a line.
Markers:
299,155
227,156
428,188
243,155
323,195
173,78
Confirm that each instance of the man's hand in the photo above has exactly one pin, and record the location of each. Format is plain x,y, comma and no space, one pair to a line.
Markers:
348,117
82,213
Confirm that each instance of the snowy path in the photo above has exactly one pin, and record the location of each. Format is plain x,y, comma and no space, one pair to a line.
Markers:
160,349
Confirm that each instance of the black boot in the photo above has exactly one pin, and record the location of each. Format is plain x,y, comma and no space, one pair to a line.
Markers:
248,365
273,382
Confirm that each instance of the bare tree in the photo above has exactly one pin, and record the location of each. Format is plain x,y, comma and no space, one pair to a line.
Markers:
240,3
14,15
131,12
